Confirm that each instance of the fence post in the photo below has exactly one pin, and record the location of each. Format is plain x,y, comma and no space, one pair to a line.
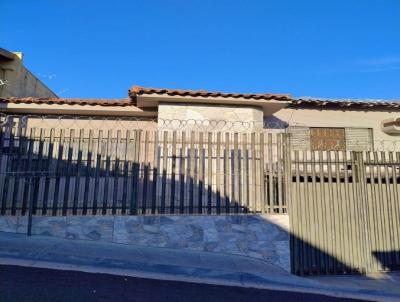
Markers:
287,163
360,178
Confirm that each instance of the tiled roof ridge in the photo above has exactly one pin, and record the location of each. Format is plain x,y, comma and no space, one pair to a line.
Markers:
355,100
138,90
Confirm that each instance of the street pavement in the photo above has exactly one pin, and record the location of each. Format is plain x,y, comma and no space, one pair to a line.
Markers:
27,284
164,264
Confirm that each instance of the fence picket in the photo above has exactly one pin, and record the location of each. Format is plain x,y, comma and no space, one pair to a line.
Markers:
99,162
18,170
271,175
89,158
236,179
116,172
155,169
3,176
48,172
182,172
227,176
145,161
8,169
173,172
201,174
253,183
245,174
210,186
135,173
164,171
280,161
219,174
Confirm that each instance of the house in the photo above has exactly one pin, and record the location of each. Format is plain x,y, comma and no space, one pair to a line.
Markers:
76,159
17,81
314,124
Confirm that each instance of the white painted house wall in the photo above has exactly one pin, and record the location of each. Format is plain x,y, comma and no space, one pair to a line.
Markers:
337,118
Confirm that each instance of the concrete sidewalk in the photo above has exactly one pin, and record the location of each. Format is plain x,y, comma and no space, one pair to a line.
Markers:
190,266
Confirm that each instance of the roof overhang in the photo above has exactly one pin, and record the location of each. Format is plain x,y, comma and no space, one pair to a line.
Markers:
153,100
65,109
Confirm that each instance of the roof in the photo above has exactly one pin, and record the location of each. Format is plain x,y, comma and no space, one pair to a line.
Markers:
5,55
62,101
137,90
340,104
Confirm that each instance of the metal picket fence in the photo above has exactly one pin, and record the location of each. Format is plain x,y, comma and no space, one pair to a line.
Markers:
135,172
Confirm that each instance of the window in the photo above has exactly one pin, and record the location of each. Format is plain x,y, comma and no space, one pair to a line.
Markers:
322,139
332,138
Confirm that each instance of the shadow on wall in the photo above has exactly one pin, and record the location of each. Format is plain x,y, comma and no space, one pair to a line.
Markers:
80,185
273,122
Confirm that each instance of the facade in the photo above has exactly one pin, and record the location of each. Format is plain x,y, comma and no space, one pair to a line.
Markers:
313,124
17,81
339,125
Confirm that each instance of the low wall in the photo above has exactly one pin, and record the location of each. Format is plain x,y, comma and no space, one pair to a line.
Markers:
258,236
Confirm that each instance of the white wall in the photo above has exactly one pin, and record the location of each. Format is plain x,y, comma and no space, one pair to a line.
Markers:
337,118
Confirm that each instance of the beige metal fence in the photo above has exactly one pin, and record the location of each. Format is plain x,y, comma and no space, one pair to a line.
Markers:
87,171
344,206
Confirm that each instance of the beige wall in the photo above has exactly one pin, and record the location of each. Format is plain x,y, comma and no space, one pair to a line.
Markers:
85,124
21,82
210,117
337,118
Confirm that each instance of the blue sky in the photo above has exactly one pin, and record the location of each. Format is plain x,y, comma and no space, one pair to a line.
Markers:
98,49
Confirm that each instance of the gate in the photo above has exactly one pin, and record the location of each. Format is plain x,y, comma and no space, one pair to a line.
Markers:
344,212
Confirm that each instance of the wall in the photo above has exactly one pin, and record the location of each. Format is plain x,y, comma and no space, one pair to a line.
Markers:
262,237
230,118
337,118
84,123
21,82
87,123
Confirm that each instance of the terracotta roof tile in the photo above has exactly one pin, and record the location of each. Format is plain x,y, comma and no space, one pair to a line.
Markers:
337,104
57,101
137,90
131,101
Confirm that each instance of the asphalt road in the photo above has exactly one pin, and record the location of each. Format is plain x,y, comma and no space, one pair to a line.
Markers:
20,284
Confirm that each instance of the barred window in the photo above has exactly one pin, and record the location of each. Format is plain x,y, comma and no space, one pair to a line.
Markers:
331,138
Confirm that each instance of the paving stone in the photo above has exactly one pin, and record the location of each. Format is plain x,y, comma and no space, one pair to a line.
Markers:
9,224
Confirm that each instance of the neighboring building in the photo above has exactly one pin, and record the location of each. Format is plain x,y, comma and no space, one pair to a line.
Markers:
17,81
314,124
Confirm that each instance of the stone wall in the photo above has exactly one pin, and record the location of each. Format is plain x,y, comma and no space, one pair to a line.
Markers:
210,117
259,236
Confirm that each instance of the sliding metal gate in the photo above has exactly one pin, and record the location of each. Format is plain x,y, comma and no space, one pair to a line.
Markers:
344,212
